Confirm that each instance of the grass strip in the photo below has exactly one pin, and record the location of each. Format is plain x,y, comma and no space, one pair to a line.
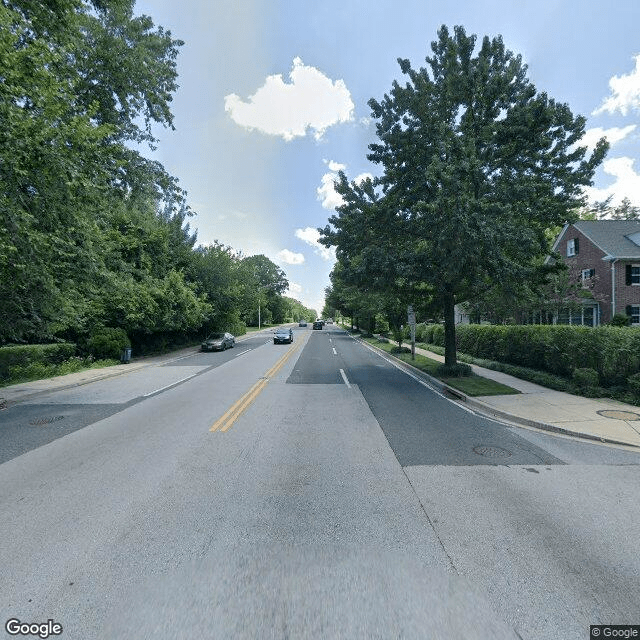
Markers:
474,385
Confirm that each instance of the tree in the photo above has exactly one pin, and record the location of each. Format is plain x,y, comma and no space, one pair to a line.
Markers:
476,165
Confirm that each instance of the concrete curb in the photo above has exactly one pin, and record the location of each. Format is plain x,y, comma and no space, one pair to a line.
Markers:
490,412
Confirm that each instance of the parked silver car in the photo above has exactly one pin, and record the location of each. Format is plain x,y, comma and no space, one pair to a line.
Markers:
218,342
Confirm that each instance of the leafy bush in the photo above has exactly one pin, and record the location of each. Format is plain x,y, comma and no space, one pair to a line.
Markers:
107,342
399,349
459,370
31,354
380,339
585,378
633,383
613,352
620,320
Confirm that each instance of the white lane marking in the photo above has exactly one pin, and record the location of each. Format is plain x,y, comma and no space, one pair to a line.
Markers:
344,377
335,353
424,383
245,351
173,384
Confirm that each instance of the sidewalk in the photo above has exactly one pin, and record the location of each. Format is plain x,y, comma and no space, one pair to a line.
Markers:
16,393
599,419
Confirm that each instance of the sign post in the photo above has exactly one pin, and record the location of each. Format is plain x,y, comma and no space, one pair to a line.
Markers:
411,316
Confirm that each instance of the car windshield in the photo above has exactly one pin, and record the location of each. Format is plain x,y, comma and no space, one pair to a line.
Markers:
216,336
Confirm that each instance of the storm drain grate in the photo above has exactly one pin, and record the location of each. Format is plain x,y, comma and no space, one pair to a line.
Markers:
38,422
619,415
491,452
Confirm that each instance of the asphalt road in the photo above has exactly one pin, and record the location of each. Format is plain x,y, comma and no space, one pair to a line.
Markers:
311,490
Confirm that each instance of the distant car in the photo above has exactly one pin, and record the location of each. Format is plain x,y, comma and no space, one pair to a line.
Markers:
329,321
218,342
318,324
283,336
302,323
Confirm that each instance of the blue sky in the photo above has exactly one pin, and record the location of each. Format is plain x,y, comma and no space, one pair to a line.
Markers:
273,101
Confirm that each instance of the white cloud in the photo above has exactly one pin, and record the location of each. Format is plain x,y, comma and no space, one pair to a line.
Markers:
310,235
288,257
613,135
626,185
294,289
625,92
326,192
310,100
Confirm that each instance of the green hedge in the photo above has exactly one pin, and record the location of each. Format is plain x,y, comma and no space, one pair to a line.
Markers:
30,354
614,352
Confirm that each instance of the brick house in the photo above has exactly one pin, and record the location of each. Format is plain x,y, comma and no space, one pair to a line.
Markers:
604,256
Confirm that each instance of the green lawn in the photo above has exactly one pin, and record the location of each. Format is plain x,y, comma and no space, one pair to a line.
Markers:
472,386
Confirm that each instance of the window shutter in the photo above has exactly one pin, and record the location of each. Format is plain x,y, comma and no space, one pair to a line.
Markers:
628,275
592,273
576,245
628,310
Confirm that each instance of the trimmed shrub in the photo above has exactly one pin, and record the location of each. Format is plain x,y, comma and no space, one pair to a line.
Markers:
614,352
459,370
633,383
107,342
399,349
584,378
27,355
620,320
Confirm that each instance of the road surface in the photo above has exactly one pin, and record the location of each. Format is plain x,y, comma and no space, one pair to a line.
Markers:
311,490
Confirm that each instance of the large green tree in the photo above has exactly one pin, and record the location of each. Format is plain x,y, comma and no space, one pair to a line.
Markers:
476,165
78,80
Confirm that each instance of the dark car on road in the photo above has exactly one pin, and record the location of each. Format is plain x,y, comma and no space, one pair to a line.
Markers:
302,323
218,342
283,336
318,324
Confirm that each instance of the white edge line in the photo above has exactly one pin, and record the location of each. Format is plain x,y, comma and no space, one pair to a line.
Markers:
173,384
344,377
424,383
335,353
245,351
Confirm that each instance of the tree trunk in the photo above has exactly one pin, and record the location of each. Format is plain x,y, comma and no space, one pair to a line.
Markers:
449,329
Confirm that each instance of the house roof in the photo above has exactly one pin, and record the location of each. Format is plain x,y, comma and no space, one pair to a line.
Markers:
612,236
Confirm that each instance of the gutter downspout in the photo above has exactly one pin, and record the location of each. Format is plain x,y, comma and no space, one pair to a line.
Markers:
613,287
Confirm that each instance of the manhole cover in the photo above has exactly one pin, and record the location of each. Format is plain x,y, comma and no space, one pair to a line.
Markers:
38,422
619,415
491,452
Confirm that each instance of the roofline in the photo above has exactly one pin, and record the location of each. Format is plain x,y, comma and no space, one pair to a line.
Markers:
557,242
590,238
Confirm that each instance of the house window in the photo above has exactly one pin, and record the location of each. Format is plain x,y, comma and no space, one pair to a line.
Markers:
635,274
634,311
571,248
587,274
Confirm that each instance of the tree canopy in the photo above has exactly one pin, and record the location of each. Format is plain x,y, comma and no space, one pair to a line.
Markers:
476,165
92,233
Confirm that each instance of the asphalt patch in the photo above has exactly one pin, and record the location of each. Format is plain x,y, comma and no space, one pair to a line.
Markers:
24,427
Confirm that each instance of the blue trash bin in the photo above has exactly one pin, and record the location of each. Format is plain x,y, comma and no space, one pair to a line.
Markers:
125,355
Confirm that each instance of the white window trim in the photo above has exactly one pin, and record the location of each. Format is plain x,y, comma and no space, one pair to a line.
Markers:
635,306
634,284
571,248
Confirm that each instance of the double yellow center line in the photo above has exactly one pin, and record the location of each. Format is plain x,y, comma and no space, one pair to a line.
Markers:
226,421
